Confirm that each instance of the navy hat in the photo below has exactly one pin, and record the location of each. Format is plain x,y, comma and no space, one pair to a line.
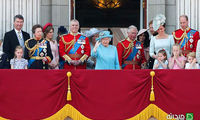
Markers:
62,30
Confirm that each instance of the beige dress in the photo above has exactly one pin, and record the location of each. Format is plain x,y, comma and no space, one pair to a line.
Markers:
54,50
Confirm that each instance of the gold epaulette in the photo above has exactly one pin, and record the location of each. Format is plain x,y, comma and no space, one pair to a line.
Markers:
31,50
184,35
26,43
67,43
29,39
130,46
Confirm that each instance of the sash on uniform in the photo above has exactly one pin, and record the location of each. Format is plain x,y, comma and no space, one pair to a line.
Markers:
77,45
132,54
35,54
185,40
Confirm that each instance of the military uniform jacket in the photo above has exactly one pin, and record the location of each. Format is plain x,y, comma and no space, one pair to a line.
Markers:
130,54
186,39
35,51
74,47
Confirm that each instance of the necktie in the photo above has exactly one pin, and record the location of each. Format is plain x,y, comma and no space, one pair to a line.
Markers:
21,41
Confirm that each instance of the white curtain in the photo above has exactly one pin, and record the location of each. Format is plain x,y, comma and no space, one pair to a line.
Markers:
191,9
30,9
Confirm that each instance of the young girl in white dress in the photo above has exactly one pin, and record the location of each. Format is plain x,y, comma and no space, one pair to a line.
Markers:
18,62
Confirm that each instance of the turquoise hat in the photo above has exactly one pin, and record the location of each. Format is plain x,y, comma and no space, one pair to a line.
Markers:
104,34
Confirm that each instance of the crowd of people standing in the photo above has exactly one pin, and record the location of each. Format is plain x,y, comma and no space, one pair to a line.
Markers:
149,48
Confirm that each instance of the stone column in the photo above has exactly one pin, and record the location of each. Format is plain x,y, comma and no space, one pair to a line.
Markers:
155,7
56,12
171,16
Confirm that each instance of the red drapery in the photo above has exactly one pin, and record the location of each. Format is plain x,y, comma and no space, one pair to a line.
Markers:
99,95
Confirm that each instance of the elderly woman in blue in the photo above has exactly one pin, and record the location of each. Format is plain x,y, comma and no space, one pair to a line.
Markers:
105,54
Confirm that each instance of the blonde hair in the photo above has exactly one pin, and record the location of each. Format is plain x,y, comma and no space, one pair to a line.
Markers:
179,47
18,48
191,54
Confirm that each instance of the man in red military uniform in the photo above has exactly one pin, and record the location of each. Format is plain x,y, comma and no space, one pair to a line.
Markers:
74,48
186,37
131,52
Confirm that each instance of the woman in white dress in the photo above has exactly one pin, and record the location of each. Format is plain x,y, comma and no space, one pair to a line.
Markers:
162,40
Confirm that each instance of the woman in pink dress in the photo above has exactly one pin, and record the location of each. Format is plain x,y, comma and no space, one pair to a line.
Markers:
48,34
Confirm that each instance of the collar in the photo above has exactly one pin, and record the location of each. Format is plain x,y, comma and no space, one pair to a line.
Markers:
188,28
17,31
74,34
130,40
37,39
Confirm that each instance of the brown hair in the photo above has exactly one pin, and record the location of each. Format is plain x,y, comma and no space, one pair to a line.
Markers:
164,25
19,17
163,52
47,30
185,16
151,22
35,27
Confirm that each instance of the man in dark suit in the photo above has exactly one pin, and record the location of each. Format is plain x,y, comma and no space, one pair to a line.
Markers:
15,37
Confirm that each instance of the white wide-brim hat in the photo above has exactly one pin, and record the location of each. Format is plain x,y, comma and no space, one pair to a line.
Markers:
142,31
158,21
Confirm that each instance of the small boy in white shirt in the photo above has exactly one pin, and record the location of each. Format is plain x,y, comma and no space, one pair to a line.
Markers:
192,61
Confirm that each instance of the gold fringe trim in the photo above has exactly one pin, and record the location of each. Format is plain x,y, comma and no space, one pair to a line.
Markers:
151,111
68,111
3,118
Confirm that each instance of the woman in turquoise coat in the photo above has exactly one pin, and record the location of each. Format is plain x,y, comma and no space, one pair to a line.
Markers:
105,54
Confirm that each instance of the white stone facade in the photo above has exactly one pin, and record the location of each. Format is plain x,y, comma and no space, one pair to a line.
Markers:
172,9
30,9
58,12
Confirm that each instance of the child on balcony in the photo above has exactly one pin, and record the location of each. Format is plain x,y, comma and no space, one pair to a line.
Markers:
18,62
192,61
161,62
177,61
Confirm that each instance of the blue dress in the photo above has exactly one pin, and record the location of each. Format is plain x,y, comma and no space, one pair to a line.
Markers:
159,44
106,58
